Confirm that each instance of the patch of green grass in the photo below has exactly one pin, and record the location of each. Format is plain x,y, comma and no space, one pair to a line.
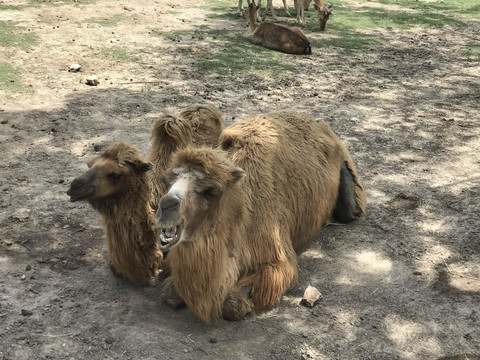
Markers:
11,7
117,52
9,80
472,50
215,5
233,53
469,8
35,3
106,22
15,36
350,42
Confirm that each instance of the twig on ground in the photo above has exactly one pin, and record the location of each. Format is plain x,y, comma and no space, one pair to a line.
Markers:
448,269
139,82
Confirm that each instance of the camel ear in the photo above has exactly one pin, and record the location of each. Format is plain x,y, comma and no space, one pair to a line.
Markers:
139,166
237,174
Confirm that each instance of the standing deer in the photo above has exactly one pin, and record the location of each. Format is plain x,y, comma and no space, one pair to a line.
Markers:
323,12
276,36
269,8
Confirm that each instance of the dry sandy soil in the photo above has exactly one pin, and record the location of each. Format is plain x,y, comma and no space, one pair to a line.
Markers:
401,283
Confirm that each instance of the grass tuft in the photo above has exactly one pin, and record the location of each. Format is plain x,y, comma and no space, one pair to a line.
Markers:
9,79
12,35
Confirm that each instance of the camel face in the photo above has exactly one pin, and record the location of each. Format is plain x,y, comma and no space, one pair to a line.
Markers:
189,198
195,195
105,178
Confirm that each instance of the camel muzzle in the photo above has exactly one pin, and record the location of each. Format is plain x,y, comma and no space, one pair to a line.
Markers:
81,188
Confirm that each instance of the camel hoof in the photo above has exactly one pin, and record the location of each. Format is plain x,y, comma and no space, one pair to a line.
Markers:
171,297
235,308
115,271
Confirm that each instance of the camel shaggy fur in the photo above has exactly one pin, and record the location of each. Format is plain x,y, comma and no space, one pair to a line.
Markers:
197,124
234,216
120,187
290,40
117,186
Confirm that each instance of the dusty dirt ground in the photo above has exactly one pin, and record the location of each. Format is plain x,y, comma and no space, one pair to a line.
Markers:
401,283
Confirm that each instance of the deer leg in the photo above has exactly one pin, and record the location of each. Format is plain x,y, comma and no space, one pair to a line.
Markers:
272,11
240,7
297,9
286,7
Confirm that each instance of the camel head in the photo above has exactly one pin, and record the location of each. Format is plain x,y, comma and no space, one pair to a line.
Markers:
323,13
113,172
199,180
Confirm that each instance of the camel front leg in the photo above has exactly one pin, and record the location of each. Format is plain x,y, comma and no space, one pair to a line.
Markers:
237,304
273,281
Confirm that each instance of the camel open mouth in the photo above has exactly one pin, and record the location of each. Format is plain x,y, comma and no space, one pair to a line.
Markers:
77,197
170,236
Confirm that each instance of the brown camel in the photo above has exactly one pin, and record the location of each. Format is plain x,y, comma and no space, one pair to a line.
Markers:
234,216
117,186
122,193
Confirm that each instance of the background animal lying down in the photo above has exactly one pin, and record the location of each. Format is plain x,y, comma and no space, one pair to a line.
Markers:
235,215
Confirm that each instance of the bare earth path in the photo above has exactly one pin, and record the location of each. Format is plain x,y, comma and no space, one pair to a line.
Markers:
402,283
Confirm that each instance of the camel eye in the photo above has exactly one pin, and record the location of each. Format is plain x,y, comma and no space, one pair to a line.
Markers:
210,193
115,175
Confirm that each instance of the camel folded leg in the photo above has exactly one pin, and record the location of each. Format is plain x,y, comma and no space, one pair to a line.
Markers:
170,294
237,304
273,281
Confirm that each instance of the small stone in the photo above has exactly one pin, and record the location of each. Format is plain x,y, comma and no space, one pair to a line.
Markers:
26,312
74,67
8,242
311,296
212,340
418,273
23,277
28,268
92,80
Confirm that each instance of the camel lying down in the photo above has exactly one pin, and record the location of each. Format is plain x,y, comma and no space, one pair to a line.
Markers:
234,216
122,186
